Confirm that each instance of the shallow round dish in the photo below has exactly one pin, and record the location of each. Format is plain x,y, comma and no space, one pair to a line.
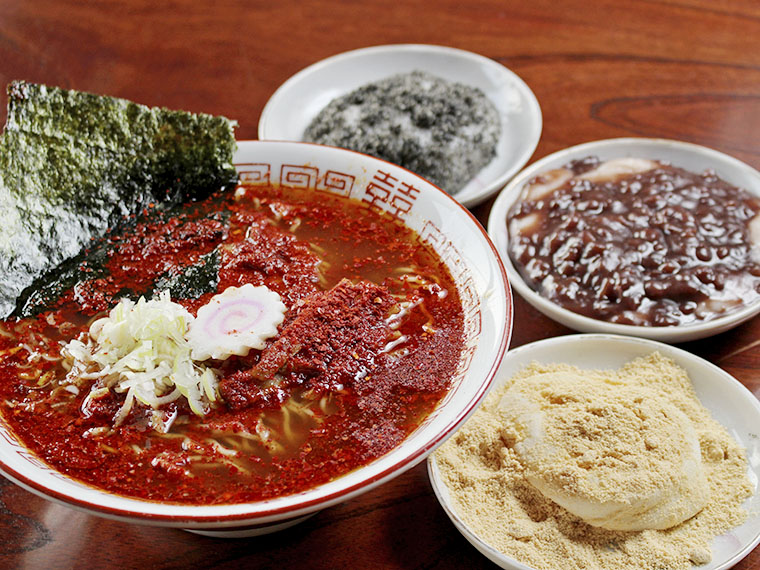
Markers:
727,399
446,227
686,155
295,104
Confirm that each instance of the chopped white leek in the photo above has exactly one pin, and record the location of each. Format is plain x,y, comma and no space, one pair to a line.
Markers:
150,350
140,349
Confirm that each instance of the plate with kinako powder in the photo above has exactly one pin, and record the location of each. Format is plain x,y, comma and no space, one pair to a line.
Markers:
461,120
606,452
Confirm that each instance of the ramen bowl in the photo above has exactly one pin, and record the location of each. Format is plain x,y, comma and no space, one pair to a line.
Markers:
440,223
692,157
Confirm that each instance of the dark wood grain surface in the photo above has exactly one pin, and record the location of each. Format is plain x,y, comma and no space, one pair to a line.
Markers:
681,69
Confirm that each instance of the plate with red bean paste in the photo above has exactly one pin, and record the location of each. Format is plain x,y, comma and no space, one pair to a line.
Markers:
635,240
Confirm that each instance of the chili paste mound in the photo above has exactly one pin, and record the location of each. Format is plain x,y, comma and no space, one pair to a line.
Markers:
637,242
369,338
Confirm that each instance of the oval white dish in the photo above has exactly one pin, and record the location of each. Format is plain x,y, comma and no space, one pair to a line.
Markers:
729,402
686,155
297,101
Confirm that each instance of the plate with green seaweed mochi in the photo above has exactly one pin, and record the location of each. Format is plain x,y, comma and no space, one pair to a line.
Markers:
74,165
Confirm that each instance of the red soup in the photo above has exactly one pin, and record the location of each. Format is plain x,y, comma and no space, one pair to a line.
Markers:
371,335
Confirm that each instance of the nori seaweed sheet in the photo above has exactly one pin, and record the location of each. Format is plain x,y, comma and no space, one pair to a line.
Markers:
47,289
192,281
183,282
74,165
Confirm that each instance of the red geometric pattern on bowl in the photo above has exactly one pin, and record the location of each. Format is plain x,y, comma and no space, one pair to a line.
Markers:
299,176
255,174
336,182
388,194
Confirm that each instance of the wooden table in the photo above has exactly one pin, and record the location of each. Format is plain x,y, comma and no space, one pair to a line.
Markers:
681,69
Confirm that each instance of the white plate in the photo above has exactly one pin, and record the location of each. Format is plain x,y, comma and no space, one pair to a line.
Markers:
727,399
686,155
293,106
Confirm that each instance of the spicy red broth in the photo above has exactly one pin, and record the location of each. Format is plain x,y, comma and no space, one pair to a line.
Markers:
371,337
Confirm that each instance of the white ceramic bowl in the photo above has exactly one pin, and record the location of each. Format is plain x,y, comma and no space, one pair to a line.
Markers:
295,104
441,223
727,399
689,156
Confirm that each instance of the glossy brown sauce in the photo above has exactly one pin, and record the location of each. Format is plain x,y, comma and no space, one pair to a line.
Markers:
661,247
